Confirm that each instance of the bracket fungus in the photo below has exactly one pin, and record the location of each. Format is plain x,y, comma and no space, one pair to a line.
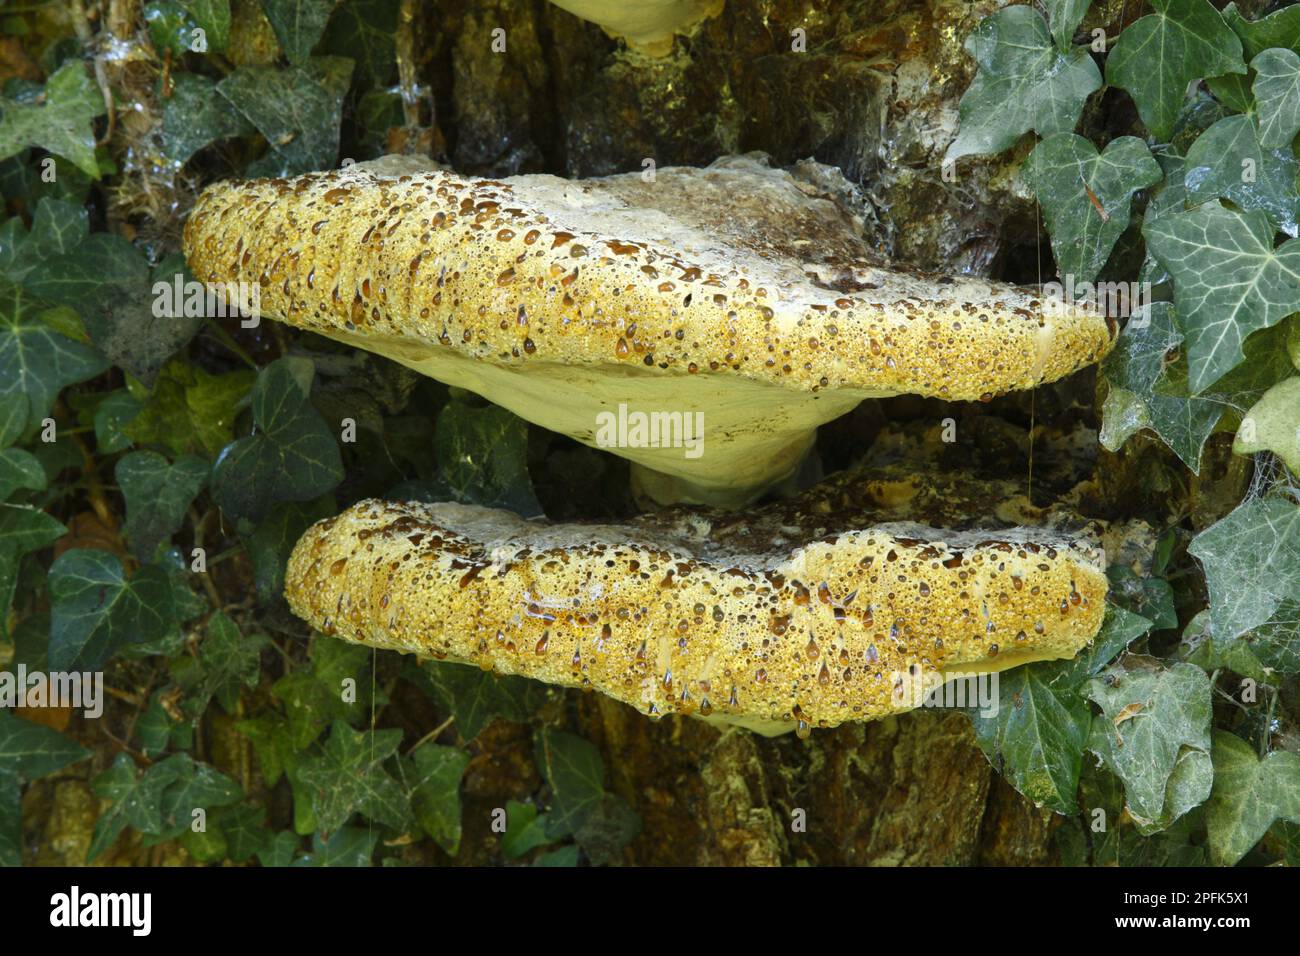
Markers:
648,26
738,292
807,612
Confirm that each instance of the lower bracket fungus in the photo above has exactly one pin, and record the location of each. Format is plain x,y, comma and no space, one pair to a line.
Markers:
738,293
834,606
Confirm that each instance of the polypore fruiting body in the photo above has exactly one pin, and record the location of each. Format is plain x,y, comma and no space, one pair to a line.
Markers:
647,25
733,292
802,614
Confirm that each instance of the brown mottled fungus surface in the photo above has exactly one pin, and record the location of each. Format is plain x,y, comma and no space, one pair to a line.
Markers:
736,291
807,612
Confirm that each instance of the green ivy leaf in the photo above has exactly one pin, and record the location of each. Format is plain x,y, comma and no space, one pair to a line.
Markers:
1228,281
1249,794
298,25
188,410
137,801
36,362
156,730
1057,170
1273,424
96,609
58,120
1159,56
270,545
525,830
1277,93
19,469
1228,162
1066,15
57,227
30,750
1252,562
573,769
1036,734
157,495
351,846
227,661
292,456
1156,737
349,777
172,24
475,696
433,779
195,116
194,786
366,29
1279,29
246,833
1147,390
1024,82
24,529
1276,642
483,458
298,110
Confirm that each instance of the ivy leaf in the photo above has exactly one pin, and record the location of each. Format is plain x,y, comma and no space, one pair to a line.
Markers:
157,495
57,227
366,29
475,696
1252,562
29,750
227,662
1036,733
1057,171
270,545
525,830
1273,424
1158,57
172,24
96,609
36,362
58,120
246,833
1228,162
1024,82
137,801
195,115
298,110
434,783
351,846
1156,737
483,458
1147,390
1249,794
24,529
349,777
19,469
189,410
1277,94
1279,29
1276,642
298,25
194,786
292,455
1066,15
1228,281
573,769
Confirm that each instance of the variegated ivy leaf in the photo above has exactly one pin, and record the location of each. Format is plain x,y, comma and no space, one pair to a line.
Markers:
1158,57
1024,82
1229,281
1277,95
1249,795
1062,170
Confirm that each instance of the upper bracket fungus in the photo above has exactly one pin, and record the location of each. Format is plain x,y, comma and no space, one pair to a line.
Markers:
833,606
648,26
736,293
